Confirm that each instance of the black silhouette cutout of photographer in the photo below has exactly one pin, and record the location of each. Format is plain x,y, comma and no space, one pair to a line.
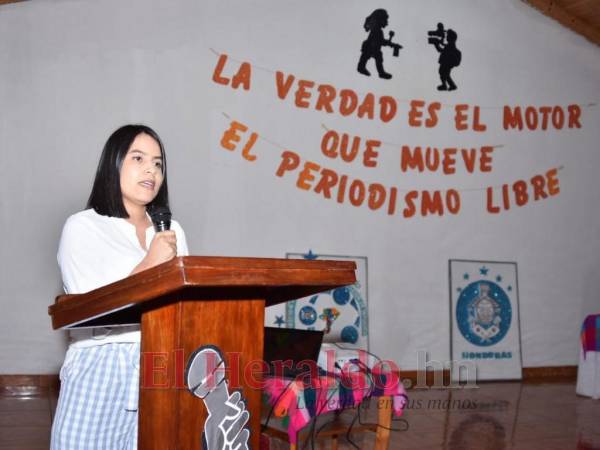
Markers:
444,42
371,47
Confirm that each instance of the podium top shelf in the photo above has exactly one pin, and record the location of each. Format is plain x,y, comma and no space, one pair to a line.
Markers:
200,278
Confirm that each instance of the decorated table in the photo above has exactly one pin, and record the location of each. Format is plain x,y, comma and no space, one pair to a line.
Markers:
297,402
588,374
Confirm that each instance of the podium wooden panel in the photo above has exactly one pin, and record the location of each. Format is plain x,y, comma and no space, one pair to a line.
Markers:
189,302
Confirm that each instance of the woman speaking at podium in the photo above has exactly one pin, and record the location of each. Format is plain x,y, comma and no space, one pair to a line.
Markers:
110,240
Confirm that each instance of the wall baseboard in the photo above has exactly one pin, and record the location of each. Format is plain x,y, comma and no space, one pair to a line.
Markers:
25,385
551,374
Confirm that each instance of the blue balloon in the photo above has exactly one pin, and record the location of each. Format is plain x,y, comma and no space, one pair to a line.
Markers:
341,295
350,334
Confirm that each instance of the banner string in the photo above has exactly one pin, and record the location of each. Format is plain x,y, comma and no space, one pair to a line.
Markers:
397,146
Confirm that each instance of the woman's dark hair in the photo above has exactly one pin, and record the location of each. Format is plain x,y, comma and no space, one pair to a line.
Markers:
376,19
106,197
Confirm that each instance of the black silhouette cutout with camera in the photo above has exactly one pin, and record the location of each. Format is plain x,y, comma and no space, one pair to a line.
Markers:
444,42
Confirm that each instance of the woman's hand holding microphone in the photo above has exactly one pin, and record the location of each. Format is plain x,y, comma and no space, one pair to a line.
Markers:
163,248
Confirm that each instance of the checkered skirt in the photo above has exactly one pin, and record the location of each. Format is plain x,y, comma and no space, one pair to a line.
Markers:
98,400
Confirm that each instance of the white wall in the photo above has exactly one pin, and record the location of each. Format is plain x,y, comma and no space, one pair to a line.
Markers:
73,71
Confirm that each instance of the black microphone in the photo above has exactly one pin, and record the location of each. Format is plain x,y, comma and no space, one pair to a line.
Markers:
161,218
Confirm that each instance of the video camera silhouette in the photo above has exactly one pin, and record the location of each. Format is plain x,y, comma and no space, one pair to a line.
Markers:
437,36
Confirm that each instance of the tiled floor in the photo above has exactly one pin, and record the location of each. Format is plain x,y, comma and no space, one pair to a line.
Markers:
494,416
25,421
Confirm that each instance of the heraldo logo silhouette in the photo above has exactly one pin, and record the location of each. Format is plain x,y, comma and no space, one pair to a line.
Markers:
372,46
444,42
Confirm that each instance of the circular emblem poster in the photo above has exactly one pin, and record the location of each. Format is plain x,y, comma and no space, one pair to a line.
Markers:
484,313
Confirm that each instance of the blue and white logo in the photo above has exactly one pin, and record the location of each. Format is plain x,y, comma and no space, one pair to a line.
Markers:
483,313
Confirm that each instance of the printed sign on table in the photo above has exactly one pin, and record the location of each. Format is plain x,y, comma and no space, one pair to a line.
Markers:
341,312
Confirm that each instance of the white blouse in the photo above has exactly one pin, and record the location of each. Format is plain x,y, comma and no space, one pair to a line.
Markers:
97,250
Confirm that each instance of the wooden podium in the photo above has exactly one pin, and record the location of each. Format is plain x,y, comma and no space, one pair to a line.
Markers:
189,302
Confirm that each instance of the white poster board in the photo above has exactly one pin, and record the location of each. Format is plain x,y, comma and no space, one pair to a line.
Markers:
484,313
